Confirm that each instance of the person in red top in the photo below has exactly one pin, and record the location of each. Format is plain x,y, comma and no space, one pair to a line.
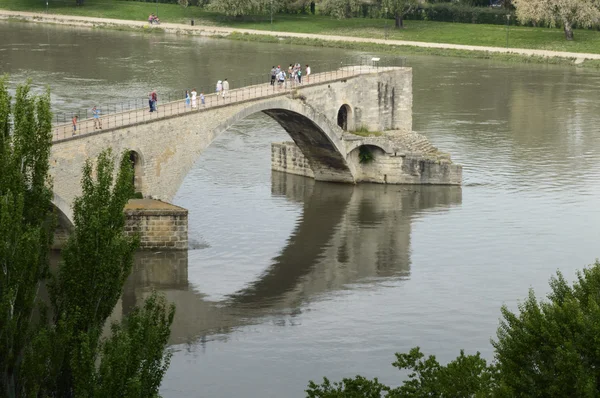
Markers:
74,124
154,99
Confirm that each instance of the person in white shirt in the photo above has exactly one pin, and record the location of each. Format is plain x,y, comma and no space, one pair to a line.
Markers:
194,94
307,73
225,87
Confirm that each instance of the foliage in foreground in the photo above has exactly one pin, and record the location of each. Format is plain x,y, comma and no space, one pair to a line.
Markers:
545,349
58,349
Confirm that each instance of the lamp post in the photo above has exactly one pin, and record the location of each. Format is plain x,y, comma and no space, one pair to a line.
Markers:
507,28
46,6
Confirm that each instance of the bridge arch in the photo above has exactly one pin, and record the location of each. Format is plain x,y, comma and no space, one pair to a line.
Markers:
64,225
63,210
137,163
344,118
372,143
317,137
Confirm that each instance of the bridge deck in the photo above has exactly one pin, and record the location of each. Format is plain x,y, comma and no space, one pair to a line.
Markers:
233,96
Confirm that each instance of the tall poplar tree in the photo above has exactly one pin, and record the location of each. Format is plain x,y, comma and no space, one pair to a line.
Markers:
25,222
59,351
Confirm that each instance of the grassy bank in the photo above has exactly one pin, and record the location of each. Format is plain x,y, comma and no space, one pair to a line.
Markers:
411,50
425,31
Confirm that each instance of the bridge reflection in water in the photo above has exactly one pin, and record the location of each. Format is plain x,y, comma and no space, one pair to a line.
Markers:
347,234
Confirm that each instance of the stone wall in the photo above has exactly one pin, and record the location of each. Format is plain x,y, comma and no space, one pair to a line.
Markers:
385,168
160,225
377,101
405,169
287,157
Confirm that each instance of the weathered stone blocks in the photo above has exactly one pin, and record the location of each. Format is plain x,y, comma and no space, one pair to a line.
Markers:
160,225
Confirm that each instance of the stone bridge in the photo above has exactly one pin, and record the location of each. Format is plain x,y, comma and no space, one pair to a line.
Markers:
165,145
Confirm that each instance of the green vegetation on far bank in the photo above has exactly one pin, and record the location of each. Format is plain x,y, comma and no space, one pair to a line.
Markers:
410,50
425,31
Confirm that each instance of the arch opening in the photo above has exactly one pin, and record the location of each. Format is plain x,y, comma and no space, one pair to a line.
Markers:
317,146
136,164
343,117
63,229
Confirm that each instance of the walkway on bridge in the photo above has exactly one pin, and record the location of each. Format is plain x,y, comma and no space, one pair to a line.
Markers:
213,100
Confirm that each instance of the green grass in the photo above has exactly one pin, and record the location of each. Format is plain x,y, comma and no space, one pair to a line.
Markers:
364,132
425,31
409,50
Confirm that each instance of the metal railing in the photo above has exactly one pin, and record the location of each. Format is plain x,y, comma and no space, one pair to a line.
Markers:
136,111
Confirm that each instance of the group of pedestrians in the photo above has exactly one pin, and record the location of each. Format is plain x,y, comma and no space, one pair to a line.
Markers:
191,98
95,115
294,75
153,19
222,87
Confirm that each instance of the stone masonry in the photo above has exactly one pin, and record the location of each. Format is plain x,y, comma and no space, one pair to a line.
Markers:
287,157
161,226
402,157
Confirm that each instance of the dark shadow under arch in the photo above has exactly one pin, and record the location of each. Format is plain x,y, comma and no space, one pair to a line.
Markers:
316,146
138,170
343,116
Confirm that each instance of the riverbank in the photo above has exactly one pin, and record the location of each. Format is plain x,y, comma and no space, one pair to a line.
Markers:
550,39
400,47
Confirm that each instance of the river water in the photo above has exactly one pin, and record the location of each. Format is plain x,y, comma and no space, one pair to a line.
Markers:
291,280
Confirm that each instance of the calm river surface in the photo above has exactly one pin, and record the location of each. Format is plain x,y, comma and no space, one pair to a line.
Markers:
291,280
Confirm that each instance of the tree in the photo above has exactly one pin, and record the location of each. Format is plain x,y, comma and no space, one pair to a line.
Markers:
565,13
340,8
547,349
466,376
25,226
236,8
552,348
399,8
64,354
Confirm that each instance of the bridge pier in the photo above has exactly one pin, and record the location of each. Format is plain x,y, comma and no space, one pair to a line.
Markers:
393,158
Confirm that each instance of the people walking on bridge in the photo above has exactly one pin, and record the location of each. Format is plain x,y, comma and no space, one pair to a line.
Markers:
225,87
150,102
219,86
307,73
194,94
281,79
273,75
202,99
154,100
97,120
74,124
187,99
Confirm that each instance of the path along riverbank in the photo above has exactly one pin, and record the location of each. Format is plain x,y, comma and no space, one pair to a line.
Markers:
235,33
